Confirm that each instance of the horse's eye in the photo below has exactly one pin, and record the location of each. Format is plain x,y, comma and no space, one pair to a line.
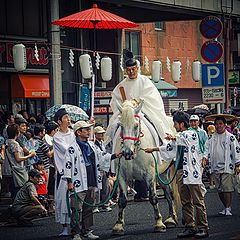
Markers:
136,125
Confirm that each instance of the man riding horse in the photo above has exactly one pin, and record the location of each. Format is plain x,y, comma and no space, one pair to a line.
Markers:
137,86
140,95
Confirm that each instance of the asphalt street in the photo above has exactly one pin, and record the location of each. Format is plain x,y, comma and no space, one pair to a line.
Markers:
139,223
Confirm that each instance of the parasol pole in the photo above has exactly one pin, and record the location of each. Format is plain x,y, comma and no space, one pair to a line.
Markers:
94,76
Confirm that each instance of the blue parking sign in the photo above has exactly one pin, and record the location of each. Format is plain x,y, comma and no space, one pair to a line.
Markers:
212,75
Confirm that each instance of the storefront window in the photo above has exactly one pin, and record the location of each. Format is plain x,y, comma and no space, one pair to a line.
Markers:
132,42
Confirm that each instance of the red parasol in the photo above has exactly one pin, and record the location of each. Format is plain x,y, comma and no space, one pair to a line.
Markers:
95,18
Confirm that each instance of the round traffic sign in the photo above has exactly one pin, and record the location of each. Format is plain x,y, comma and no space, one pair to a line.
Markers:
212,51
211,27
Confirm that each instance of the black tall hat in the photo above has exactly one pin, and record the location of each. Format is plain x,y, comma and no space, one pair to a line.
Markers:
129,58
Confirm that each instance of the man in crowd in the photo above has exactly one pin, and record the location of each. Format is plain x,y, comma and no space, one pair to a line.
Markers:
61,141
84,163
22,139
42,149
105,192
189,175
26,205
223,155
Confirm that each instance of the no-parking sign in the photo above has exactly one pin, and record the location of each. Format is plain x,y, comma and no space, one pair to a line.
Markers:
211,27
212,51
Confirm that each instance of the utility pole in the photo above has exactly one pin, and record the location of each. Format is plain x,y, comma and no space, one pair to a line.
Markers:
55,73
227,25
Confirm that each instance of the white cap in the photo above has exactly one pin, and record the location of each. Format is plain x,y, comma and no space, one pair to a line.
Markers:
194,117
81,124
99,129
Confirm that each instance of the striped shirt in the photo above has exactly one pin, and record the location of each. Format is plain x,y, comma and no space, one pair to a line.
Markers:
42,151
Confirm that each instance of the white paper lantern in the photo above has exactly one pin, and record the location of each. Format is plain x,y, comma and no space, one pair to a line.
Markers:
106,68
156,71
86,66
196,71
139,66
176,70
19,57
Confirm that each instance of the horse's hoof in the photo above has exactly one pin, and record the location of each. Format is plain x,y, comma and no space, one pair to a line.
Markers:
118,229
170,222
117,233
160,229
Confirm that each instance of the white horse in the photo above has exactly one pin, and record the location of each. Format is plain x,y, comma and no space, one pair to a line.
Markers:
138,165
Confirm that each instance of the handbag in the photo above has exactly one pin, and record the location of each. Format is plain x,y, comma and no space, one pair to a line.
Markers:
19,174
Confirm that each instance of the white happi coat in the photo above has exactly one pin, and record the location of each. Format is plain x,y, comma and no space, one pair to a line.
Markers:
231,153
75,166
153,107
192,162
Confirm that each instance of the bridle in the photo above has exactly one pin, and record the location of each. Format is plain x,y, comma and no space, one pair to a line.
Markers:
136,140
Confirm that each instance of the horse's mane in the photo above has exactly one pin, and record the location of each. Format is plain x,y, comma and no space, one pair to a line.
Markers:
127,116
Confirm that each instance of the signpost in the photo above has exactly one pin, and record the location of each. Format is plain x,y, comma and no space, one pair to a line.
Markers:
212,51
211,27
213,90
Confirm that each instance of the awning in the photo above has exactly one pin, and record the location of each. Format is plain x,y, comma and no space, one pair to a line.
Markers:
30,86
163,85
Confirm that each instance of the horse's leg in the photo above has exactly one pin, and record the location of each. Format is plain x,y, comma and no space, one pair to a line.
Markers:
159,225
171,221
118,228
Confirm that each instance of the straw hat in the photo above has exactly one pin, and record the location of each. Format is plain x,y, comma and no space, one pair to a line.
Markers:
211,118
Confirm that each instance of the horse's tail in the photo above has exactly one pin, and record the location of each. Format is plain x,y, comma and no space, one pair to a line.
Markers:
176,196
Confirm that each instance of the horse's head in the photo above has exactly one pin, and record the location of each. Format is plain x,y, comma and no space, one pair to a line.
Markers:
130,127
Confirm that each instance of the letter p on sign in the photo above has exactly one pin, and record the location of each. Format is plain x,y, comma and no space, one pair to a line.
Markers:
212,75
212,72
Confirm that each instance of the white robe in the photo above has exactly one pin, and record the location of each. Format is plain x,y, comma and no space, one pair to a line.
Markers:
231,153
61,143
153,107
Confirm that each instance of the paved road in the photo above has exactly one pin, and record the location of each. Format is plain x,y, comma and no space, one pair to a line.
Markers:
139,222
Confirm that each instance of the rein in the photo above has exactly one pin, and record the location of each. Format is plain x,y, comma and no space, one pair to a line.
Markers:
78,199
160,180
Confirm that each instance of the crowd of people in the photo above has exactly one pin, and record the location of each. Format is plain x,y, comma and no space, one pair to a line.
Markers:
43,161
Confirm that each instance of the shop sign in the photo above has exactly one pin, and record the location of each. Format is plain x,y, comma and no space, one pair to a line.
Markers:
103,94
6,56
40,94
98,110
213,94
233,77
84,98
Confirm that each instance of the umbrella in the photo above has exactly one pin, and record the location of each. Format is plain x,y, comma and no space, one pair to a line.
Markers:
94,18
76,113
212,117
